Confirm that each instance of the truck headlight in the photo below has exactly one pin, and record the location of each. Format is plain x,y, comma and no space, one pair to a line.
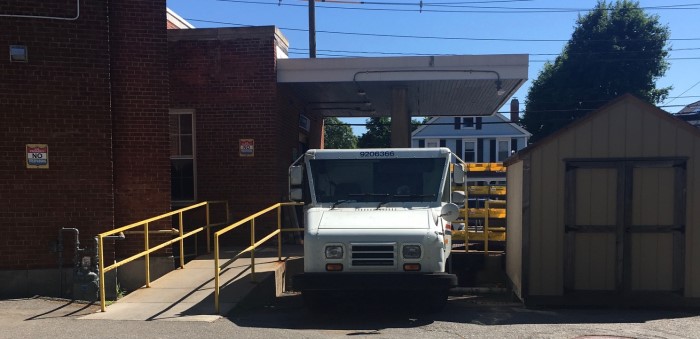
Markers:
411,251
334,252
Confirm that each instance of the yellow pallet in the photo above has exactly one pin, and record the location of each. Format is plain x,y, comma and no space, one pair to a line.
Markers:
497,190
478,190
497,167
478,167
494,213
458,236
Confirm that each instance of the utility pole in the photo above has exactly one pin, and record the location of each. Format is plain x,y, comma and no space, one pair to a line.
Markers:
312,29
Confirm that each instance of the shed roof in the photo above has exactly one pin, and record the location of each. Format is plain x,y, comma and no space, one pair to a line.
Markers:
602,110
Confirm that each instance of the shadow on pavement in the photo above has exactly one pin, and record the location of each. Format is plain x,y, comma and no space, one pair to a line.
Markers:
376,312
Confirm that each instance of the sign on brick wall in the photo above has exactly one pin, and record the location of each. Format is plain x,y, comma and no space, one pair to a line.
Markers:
37,156
246,147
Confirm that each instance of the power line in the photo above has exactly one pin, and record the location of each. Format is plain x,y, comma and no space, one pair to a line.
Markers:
691,87
421,7
421,36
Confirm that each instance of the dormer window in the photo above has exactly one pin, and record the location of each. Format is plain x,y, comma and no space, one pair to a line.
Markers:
467,122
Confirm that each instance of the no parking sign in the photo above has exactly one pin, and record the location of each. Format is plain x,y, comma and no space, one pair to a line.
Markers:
37,156
246,147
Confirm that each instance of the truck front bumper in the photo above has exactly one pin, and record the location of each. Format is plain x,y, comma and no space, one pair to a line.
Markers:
322,281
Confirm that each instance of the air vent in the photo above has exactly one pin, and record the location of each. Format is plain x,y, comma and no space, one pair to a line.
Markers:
373,255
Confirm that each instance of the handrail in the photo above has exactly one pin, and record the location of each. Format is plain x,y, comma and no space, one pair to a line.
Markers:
147,249
253,244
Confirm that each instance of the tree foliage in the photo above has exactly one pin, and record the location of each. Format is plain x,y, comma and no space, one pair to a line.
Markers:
378,133
337,134
615,49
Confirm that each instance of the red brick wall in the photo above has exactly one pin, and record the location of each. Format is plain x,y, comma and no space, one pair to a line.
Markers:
138,48
60,98
229,77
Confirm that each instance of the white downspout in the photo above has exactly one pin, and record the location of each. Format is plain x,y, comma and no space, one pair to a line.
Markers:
77,15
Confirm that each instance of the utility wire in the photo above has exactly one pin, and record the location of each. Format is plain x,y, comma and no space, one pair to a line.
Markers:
421,7
423,36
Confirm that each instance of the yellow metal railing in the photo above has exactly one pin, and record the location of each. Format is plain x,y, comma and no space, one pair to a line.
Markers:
147,249
253,244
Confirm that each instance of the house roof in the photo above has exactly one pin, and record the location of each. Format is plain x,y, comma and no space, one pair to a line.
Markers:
617,101
497,115
692,108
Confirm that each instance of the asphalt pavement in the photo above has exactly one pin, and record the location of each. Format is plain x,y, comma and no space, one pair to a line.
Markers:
466,316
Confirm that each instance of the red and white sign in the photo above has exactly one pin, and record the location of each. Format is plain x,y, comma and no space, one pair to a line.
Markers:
37,156
246,147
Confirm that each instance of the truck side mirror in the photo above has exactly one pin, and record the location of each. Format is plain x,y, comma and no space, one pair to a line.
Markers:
449,212
296,194
458,197
458,174
296,175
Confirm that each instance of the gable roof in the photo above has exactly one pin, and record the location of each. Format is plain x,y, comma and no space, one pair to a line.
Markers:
619,100
497,115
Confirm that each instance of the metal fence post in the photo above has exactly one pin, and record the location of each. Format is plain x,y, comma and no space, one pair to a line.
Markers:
279,234
252,251
208,229
182,243
102,272
216,273
147,258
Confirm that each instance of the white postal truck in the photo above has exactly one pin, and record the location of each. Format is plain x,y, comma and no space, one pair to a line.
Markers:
377,219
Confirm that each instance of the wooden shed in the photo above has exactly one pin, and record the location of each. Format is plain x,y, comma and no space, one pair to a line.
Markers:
607,211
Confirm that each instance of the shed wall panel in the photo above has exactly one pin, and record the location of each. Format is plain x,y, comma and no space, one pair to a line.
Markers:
537,228
693,223
652,262
514,228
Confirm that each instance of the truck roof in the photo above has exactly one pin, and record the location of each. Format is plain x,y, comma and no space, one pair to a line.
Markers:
378,153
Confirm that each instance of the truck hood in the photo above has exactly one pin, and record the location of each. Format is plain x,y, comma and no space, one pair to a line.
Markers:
370,218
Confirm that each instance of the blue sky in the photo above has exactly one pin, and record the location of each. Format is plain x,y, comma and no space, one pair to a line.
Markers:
509,22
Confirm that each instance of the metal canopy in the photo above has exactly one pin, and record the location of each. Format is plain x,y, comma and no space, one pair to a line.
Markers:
436,86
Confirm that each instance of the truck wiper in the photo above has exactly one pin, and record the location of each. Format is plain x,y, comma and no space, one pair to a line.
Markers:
413,195
340,202
383,203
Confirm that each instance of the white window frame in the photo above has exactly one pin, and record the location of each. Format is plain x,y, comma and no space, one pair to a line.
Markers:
429,141
462,126
464,149
498,149
192,157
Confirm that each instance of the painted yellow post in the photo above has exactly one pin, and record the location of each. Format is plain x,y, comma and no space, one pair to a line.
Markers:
279,235
208,230
102,273
466,216
182,244
216,273
252,251
486,227
148,255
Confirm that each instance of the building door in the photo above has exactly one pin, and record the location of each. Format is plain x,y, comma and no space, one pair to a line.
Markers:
624,226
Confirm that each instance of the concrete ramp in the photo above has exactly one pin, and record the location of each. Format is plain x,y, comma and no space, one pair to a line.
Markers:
188,294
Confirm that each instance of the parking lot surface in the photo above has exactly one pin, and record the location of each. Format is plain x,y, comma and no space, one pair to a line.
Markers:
465,316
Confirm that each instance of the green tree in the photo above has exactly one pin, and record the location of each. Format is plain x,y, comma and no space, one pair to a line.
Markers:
337,134
615,49
378,133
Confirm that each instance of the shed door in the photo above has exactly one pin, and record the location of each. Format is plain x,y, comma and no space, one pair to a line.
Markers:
624,229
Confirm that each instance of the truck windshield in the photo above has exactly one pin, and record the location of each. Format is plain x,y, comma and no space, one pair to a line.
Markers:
377,180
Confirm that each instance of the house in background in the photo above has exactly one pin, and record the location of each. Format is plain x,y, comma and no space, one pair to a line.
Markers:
474,139
691,114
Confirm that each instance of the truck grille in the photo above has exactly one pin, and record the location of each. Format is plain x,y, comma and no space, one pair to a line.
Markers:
364,255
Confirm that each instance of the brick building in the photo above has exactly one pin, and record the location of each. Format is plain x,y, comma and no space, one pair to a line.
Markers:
105,91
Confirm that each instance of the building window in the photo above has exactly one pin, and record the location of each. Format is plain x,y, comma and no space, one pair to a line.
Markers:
469,151
468,123
503,150
182,155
